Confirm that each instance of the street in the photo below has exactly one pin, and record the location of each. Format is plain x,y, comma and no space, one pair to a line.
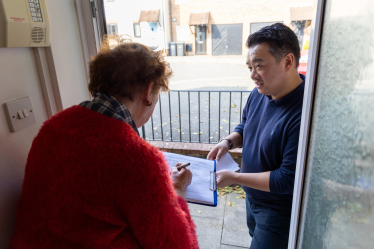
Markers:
210,73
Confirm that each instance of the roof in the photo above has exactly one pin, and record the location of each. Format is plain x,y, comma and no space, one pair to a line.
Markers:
149,16
201,18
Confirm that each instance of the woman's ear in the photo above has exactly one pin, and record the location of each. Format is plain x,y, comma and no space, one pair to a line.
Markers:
148,93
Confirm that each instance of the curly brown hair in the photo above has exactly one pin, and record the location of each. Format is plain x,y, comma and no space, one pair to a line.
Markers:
125,68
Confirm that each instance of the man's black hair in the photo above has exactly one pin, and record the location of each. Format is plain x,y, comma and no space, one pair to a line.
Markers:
281,40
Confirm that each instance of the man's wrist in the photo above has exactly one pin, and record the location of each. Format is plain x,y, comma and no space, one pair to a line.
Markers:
228,141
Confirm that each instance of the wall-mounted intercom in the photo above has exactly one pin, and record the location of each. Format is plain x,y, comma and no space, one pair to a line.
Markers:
24,23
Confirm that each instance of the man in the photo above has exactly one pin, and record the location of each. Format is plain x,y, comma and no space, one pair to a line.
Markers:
269,135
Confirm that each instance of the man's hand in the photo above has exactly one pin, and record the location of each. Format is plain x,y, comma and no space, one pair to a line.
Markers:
219,150
182,179
225,178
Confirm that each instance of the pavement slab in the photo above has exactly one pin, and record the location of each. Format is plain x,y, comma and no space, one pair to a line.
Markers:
235,231
208,211
208,232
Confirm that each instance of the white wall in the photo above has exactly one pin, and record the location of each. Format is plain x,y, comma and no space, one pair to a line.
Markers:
19,78
67,52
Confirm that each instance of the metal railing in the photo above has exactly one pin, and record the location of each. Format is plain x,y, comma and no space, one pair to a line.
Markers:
174,117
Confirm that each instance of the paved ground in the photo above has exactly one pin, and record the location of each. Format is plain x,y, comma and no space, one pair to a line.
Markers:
201,120
222,227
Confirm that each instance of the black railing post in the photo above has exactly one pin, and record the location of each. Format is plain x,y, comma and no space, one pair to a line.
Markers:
162,131
209,118
180,119
189,114
143,131
171,128
240,108
219,117
153,130
230,114
198,106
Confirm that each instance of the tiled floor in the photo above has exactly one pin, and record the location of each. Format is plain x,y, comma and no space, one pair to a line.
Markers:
222,227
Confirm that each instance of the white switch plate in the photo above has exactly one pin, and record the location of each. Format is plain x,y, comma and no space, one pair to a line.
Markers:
11,110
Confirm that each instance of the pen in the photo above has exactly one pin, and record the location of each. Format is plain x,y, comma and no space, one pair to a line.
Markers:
182,166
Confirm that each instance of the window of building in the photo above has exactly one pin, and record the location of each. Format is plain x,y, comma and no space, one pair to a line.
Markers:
112,29
183,33
137,32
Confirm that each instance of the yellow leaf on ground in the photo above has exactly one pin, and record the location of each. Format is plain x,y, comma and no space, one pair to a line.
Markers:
199,212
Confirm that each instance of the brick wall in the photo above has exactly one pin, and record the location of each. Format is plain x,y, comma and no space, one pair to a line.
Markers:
229,12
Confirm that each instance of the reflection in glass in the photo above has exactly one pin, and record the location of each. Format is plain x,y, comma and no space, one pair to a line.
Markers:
339,194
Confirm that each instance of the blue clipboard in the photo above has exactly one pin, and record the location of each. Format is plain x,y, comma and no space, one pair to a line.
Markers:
212,187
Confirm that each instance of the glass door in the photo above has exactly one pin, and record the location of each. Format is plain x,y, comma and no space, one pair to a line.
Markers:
200,36
338,198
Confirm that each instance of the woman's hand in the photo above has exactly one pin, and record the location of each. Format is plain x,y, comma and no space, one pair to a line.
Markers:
219,150
225,178
182,179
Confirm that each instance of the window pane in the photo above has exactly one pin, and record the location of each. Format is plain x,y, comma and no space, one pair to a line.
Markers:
339,195
137,30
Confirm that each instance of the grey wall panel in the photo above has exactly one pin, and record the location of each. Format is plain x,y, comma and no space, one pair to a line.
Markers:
227,39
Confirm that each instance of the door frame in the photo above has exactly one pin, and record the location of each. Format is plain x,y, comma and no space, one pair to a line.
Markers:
297,223
92,29
206,38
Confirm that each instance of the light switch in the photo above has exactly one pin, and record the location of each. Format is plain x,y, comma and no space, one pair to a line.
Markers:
25,113
20,114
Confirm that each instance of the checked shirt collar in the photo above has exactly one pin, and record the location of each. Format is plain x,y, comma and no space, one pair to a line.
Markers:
110,107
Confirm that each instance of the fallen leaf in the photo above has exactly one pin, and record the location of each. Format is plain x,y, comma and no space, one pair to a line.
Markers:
199,212
177,116
233,106
229,203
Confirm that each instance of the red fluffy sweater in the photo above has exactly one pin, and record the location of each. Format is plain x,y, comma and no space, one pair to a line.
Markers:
92,182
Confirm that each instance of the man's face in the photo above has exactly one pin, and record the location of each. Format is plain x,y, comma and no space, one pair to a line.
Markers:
266,73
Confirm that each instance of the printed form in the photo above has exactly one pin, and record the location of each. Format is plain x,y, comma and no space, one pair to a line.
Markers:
199,189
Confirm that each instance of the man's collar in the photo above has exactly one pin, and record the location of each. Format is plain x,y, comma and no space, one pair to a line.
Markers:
288,96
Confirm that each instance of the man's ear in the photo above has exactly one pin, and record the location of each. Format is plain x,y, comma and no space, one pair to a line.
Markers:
148,92
290,61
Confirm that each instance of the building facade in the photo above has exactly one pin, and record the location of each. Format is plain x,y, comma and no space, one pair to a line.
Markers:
144,21
221,27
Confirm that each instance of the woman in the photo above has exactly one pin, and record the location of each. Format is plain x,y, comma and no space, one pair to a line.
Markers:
91,181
